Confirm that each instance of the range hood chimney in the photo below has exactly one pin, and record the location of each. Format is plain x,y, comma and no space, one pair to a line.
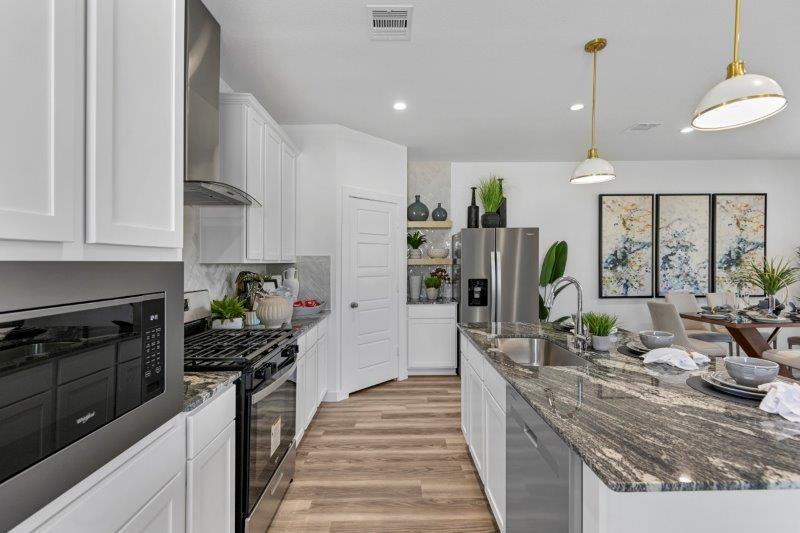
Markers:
203,183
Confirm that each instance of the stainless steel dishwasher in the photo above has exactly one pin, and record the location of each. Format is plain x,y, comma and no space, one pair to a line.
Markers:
543,475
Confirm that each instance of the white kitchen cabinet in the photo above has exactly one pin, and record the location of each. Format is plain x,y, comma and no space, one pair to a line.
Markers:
464,398
300,407
288,202
134,122
431,339
494,467
211,465
476,419
143,489
41,134
253,150
322,367
311,384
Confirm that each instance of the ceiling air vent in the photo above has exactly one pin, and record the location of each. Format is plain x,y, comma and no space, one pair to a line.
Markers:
389,23
642,127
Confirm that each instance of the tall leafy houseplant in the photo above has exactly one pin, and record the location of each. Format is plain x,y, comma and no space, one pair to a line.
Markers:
490,192
772,276
553,266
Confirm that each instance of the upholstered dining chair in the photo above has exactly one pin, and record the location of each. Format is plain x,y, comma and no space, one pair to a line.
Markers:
665,317
716,299
790,358
687,303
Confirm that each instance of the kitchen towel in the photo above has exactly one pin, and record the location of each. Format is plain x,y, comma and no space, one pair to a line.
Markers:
783,399
677,358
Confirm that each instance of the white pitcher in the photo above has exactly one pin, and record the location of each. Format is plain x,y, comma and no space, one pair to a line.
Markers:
291,282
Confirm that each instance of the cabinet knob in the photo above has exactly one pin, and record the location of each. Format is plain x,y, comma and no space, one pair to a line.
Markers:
353,304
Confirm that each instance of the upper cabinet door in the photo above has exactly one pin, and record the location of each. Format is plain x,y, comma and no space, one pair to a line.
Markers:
272,198
41,122
254,179
288,194
134,122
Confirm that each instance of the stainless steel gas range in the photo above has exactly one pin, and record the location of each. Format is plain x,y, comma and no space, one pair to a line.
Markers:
265,410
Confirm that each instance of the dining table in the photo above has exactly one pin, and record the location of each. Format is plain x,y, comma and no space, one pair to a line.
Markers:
745,332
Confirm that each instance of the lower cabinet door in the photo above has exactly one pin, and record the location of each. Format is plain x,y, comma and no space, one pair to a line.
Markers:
494,468
311,384
211,484
476,441
164,513
300,408
322,368
464,398
431,343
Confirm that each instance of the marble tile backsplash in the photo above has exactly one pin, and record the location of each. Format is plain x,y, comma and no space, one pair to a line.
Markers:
314,273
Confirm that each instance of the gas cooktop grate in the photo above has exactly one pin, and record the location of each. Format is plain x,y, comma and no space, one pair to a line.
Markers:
221,347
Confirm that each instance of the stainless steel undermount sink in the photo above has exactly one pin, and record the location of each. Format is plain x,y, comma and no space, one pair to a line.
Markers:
536,351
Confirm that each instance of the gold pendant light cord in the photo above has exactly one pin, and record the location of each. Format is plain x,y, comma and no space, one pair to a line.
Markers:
736,31
594,98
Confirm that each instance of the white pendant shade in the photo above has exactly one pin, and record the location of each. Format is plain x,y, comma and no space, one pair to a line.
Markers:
739,101
593,170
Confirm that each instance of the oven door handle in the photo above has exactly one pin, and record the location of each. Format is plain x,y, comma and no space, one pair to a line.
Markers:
269,389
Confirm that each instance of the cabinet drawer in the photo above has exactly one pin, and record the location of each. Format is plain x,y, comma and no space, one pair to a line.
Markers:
495,384
475,359
84,405
432,311
203,425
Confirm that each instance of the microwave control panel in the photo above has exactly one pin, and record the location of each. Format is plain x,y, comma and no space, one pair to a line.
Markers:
152,348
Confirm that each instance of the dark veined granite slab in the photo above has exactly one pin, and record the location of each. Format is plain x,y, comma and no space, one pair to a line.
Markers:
641,428
199,387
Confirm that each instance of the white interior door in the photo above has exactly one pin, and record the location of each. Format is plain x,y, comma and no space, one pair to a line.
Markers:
369,291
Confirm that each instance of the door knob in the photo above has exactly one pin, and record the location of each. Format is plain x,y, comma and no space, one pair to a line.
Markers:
353,304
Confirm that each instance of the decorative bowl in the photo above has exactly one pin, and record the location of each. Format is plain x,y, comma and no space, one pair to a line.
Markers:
656,339
751,371
438,253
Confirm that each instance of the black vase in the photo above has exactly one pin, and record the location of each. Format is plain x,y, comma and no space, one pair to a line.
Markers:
490,220
473,212
417,211
439,214
502,209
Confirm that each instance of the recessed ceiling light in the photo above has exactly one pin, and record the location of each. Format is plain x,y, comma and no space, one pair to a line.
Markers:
687,129
400,106
576,107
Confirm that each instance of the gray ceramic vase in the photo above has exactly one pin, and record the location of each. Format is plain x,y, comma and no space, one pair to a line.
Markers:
417,211
439,214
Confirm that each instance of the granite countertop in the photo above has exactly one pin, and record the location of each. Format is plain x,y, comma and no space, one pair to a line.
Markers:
304,323
440,301
199,387
641,428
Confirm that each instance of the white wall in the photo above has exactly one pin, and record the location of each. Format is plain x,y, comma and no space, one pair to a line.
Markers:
332,156
540,195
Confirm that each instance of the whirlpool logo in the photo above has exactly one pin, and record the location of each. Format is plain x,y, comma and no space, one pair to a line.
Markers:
85,418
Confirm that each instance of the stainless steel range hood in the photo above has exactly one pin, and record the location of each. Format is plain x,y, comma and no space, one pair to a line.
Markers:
203,183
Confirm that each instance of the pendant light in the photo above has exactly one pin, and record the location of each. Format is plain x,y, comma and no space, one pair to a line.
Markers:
593,169
742,98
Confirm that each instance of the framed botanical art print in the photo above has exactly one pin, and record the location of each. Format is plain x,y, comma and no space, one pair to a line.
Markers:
626,246
740,238
683,243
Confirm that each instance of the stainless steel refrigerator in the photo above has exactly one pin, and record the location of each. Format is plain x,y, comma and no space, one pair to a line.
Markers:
496,274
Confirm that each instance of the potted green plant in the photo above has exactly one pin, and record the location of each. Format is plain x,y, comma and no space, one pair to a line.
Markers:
772,276
432,284
227,313
415,240
553,266
490,192
600,326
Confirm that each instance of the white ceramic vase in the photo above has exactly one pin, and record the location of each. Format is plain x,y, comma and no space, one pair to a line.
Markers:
228,323
273,311
601,344
415,253
291,282
414,287
432,292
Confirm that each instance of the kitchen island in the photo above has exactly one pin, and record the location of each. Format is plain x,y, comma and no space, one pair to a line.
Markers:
655,451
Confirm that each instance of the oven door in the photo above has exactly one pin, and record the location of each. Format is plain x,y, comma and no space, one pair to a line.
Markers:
272,430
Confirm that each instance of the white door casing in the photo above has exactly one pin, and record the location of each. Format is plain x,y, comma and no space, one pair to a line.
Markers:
134,122
41,138
370,296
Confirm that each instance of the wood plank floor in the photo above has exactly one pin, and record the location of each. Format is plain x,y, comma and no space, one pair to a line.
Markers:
390,458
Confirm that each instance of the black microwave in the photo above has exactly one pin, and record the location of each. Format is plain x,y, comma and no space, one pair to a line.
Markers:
91,362
66,371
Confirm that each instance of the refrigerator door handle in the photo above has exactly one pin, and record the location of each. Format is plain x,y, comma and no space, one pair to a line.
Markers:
498,284
492,289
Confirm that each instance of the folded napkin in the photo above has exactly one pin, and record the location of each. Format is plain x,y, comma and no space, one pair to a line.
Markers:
677,358
783,399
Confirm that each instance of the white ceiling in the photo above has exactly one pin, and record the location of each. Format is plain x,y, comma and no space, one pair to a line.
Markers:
493,80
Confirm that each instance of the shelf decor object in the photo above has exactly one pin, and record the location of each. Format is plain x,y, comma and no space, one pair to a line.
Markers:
417,211
440,213
740,238
430,224
491,194
742,98
502,211
683,243
473,212
626,245
594,169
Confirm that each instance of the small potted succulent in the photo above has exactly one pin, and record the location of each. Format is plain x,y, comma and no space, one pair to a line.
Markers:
432,284
227,313
415,240
600,326
490,191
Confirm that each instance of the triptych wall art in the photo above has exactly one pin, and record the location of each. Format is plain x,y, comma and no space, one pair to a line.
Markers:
656,244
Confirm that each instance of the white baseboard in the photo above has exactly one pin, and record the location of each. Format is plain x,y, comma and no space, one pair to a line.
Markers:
335,396
431,371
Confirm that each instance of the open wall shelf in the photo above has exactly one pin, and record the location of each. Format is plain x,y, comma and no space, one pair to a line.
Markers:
427,261
430,224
